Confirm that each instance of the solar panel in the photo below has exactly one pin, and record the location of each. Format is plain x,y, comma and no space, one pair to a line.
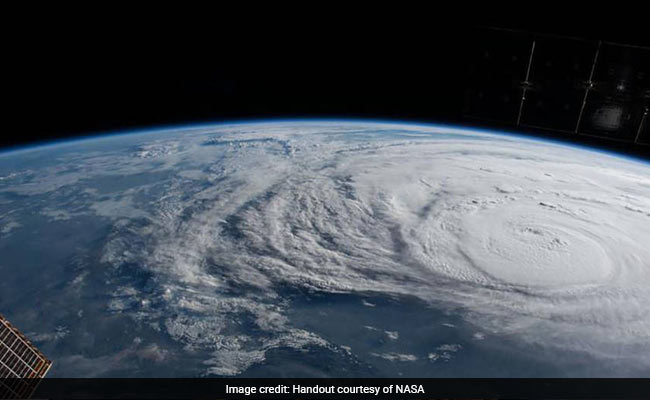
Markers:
643,133
495,77
22,365
615,106
558,71
560,84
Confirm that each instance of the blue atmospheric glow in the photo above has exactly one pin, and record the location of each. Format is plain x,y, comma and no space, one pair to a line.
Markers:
13,150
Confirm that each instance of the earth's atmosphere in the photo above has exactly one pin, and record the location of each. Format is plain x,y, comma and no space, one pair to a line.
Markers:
324,248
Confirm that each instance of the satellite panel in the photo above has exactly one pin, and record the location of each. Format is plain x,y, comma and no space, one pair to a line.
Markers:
560,84
643,137
21,364
495,77
560,70
615,106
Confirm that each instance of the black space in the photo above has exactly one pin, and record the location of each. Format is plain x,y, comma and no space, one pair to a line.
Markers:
69,79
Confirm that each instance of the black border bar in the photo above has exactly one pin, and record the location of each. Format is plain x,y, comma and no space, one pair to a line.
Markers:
215,388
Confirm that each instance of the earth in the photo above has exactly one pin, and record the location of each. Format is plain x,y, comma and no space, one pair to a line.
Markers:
327,249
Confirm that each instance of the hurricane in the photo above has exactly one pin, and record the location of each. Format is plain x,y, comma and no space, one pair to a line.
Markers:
207,243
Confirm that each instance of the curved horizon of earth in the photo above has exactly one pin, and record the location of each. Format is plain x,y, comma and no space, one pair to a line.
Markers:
327,249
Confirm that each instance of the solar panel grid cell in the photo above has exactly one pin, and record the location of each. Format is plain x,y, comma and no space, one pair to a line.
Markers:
21,364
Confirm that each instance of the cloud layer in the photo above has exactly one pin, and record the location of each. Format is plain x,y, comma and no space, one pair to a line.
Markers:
539,242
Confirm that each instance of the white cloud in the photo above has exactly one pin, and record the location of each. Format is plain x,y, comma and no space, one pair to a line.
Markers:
537,242
396,356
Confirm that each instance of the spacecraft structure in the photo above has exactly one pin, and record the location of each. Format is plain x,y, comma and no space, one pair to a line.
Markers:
22,365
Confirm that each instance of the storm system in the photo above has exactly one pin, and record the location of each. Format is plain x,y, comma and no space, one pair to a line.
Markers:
226,250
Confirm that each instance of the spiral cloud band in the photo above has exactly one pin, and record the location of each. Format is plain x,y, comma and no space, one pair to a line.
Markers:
540,242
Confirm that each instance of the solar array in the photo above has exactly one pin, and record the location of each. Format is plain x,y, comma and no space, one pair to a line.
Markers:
561,84
21,364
